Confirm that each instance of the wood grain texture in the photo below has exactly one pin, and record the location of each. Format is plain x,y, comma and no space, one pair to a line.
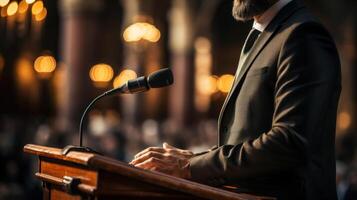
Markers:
60,169
50,152
111,177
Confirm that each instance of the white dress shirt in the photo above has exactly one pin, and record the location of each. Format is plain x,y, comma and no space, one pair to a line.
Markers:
261,23
263,20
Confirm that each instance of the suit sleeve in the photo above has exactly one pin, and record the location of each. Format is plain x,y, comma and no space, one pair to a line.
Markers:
307,78
204,152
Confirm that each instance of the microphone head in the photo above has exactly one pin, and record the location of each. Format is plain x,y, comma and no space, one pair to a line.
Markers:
160,78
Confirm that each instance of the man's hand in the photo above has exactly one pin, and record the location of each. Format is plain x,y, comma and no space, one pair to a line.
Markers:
168,160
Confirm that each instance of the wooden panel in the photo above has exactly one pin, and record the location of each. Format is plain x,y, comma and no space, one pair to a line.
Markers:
59,169
84,166
113,184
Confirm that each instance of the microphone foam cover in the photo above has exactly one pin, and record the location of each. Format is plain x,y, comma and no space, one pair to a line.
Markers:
160,78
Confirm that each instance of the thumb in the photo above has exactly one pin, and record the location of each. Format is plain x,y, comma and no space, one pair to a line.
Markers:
167,146
181,151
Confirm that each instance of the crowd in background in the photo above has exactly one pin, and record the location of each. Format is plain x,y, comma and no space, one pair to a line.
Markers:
108,134
104,132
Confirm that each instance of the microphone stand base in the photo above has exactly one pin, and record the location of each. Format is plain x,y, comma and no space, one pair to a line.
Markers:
70,148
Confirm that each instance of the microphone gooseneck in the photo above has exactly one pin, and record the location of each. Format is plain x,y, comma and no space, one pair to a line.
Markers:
160,78
83,116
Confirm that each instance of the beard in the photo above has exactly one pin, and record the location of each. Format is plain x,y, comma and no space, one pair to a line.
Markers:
244,10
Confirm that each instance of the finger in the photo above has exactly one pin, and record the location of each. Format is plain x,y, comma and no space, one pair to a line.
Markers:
151,163
167,146
157,149
142,152
179,151
147,164
167,157
147,155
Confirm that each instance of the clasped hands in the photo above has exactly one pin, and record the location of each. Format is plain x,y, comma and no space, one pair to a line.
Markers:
166,159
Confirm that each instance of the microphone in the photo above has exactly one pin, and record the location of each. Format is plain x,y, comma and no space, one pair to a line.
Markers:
160,78
157,79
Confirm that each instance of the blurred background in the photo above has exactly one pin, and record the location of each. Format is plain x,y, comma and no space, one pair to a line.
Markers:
56,55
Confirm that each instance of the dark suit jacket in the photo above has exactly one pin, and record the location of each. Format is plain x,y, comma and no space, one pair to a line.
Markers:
277,125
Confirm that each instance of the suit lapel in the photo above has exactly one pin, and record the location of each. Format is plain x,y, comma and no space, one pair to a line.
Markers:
261,42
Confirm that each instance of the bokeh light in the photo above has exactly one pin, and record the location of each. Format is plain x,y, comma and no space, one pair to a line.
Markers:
4,2
225,83
30,1
26,80
45,64
12,8
101,73
207,85
24,71
141,31
23,7
123,77
37,7
42,15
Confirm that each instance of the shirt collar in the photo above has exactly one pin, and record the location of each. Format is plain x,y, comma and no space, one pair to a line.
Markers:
268,15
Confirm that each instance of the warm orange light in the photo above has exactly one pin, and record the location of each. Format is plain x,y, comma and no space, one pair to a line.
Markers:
42,15
27,84
37,7
45,64
207,85
30,1
123,77
4,3
24,71
12,8
343,120
152,34
3,12
133,33
101,73
23,7
225,83
141,30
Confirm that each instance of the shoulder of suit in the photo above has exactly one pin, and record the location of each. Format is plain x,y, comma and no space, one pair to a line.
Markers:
301,32
303,23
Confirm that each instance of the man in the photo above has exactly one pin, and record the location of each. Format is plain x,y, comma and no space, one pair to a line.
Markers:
277,125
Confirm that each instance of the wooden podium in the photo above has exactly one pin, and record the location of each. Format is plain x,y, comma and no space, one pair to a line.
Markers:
79,175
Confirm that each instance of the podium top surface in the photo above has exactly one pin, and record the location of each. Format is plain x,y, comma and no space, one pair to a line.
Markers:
99,162
56,153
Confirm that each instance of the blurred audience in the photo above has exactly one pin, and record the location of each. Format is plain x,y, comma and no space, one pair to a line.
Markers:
108,134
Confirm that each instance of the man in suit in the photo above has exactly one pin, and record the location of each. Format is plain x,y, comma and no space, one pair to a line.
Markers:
277,125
